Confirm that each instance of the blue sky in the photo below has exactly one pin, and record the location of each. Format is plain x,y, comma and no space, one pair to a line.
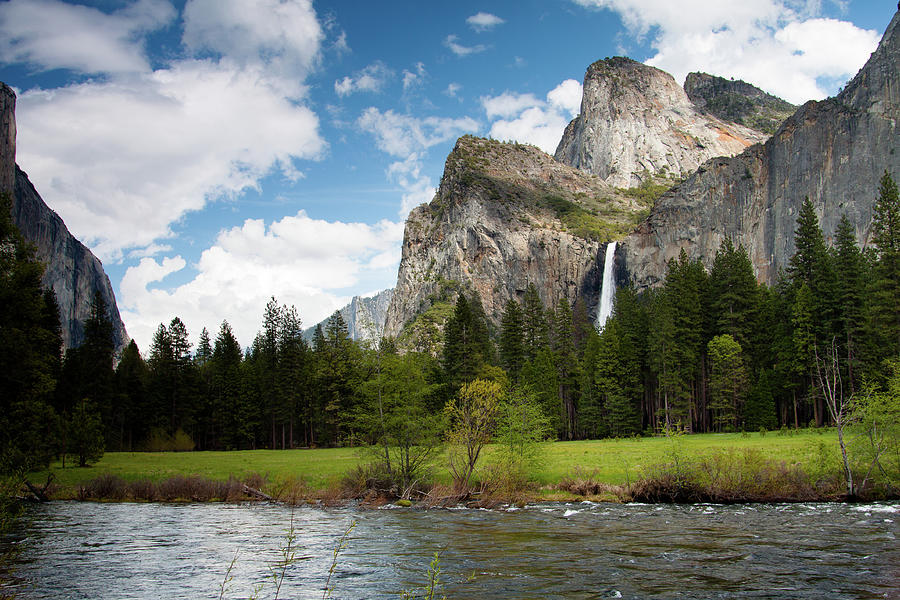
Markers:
215,153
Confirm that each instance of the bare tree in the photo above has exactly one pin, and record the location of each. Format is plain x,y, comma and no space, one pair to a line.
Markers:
828,374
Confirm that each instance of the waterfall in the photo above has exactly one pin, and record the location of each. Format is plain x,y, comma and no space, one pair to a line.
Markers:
608,291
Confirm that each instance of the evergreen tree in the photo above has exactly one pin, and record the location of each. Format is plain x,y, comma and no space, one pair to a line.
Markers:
467,347
85,433
29,353
883,313
759,408
534,323
231,419
566,360
734,299
850,271
131,378
512,339
618,379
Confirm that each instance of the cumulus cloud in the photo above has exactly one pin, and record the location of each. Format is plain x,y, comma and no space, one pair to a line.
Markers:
453,89
483,21
525,118
121,161
299,260
49,34
778,45
460,50
282,36
402,135
370,79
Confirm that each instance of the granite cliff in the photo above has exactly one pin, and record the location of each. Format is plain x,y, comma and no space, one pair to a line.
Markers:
71,270
636,122
504,216
833,152
364,316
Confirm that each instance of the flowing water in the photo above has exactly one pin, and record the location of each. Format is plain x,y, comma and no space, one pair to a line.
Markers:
608,288
87,550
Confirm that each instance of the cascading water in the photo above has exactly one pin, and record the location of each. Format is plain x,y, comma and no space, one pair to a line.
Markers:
608,291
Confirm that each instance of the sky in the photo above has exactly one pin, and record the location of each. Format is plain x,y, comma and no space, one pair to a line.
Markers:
217,153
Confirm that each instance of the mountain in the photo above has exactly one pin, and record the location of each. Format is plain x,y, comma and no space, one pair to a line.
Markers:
364,316
636,122
504,216
71,270
737,101
833,152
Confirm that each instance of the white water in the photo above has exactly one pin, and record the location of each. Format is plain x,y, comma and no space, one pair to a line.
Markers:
608,291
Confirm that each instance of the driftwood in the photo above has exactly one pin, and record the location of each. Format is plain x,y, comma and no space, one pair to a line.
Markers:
257,494
38,494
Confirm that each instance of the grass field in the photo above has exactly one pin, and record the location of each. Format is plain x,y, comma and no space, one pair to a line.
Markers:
610,461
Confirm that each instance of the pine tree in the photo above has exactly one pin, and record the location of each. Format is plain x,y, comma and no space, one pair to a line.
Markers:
467,347
534,323
883,312
566,360
512,341
759,408
618,380
131,380
850,271
232,421
733,293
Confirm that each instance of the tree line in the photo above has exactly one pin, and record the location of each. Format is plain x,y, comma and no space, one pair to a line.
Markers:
708,350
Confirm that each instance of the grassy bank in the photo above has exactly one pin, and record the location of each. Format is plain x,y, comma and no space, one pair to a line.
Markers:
319,473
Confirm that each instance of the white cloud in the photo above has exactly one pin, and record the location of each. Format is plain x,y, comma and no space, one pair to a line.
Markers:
452,89
50,34
524,118
299,260
483,21
122,160
282,36
415,77
460,50
775,44
370,79
417,188
402,135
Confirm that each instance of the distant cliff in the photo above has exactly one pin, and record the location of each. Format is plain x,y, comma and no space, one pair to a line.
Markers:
71,270
504,216
637,122
364,316
833,151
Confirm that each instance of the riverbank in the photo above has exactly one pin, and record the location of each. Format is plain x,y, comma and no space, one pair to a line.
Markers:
777,466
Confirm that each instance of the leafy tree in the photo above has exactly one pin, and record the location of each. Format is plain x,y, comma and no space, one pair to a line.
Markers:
522,427
727,381
472,414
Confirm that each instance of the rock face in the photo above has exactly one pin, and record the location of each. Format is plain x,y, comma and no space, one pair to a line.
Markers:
72,271
504,216
636,121
833,151
364,316
7,139
737,101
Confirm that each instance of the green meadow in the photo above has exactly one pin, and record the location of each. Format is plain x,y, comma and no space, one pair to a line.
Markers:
614,461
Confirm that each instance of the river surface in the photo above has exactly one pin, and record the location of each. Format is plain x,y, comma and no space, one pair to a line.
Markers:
87,550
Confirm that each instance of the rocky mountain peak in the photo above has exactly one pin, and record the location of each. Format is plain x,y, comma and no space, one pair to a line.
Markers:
636,122
737,101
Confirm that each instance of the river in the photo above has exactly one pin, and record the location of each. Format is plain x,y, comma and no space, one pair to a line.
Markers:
89,550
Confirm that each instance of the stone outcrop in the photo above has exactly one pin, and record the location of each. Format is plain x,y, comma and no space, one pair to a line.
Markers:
833,152
504,216
737,101
636,122
364,316
71,270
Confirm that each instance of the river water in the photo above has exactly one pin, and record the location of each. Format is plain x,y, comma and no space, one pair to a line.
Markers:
87,550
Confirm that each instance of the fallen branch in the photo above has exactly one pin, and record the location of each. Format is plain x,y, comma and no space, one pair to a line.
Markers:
39,494
257,493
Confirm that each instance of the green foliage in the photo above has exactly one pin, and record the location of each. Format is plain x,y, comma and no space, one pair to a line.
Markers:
85,434
522,428
875,415
649,191
583,223
472,415
727,381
